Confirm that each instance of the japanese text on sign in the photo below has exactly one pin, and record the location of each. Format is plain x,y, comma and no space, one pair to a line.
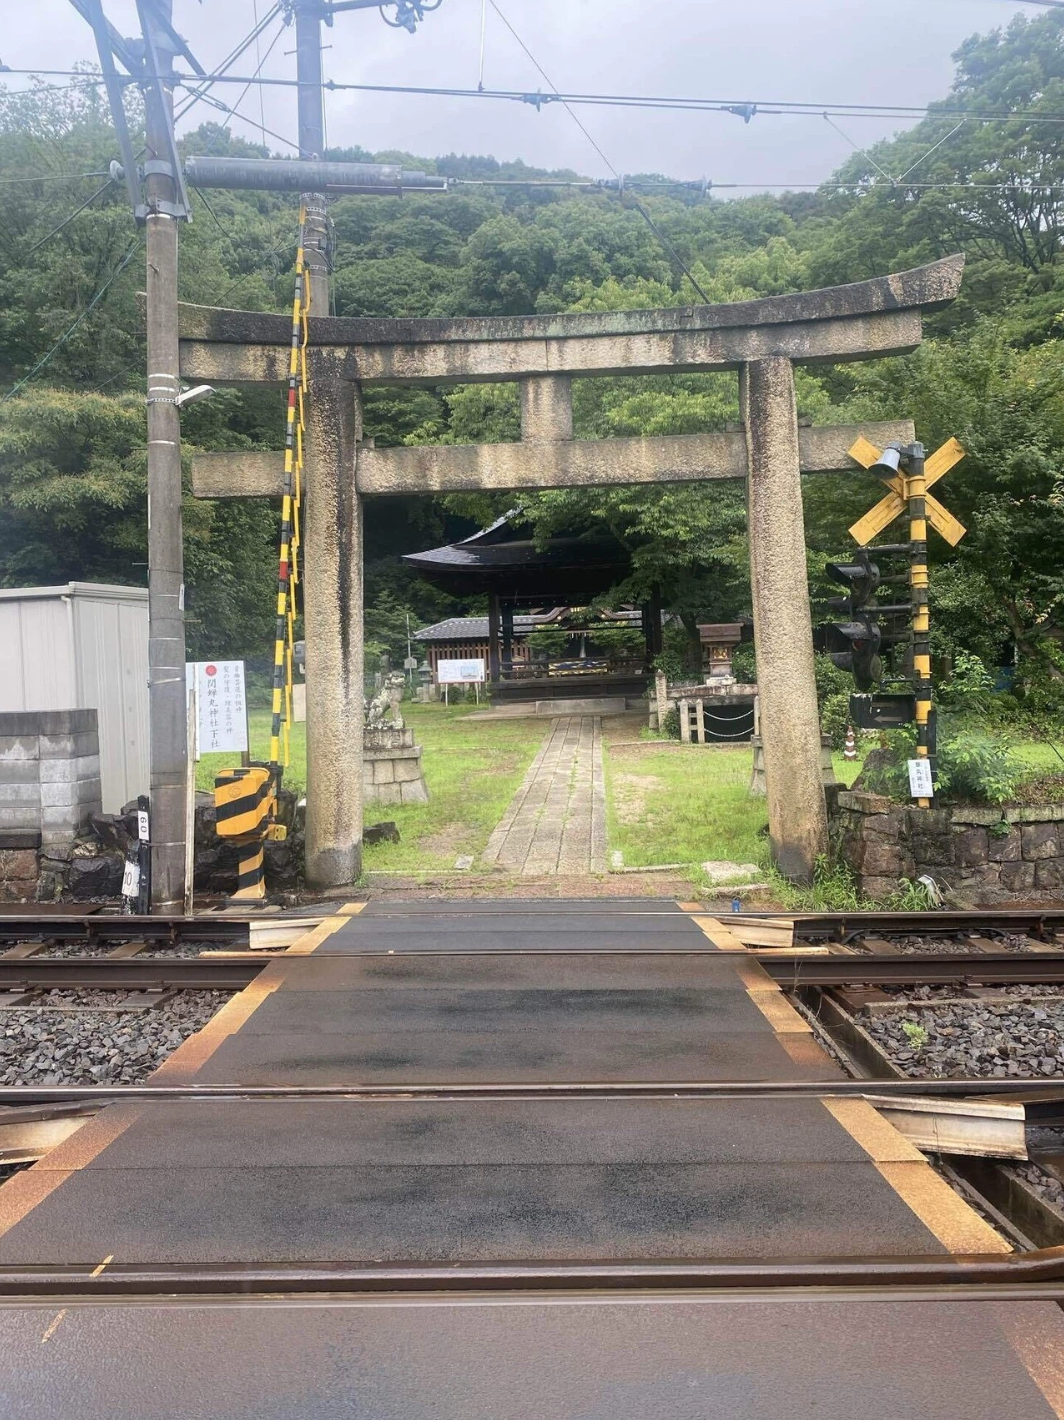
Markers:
469,672
221,708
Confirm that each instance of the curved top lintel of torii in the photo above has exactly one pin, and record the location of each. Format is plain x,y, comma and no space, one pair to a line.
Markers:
923,288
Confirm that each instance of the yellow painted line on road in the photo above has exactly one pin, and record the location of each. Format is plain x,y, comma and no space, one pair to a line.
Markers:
312,940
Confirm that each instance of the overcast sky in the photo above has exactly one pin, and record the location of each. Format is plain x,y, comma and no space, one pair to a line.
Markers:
823,51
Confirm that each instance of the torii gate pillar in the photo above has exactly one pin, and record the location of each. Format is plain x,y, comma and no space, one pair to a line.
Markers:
762,339
332,617
783,631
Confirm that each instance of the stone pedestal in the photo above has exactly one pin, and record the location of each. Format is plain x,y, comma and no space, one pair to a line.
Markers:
391,768
757,780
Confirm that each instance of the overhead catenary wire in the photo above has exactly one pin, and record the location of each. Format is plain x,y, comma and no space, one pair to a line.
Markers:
67,220
662,238
741,108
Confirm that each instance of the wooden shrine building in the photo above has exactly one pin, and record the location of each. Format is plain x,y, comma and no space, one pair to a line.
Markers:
549,589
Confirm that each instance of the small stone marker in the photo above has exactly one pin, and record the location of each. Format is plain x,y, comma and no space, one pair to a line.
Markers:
464,863
723,872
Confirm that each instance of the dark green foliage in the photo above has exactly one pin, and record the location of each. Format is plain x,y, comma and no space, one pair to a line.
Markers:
973,765
71,447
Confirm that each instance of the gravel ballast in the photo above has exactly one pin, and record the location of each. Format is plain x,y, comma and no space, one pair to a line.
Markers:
49,1045
965,1042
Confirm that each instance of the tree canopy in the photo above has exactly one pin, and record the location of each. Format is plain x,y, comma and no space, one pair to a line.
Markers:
72,490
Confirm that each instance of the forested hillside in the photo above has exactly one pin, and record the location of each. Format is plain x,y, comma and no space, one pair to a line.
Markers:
72,489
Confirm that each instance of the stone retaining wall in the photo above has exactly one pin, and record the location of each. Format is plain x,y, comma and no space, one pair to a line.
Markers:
978,854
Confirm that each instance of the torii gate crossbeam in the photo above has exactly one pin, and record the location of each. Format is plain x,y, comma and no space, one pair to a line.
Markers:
762,339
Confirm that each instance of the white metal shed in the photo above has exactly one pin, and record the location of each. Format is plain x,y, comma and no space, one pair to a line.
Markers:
80,647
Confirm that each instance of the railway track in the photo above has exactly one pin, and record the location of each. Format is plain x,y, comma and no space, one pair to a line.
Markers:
499,1126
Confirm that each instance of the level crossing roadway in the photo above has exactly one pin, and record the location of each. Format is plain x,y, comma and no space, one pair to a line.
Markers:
518,993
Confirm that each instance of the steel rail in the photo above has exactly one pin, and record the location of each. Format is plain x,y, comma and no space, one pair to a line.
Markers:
1042,1268
94,928
21,1095
233,970
795,969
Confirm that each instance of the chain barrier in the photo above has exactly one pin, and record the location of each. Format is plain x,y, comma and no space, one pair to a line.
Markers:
288,561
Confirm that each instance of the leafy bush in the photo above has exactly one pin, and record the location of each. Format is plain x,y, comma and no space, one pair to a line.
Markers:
744,663
974,766
835,718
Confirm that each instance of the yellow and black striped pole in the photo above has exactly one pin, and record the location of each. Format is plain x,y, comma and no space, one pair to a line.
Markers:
245,803
916,497
288,567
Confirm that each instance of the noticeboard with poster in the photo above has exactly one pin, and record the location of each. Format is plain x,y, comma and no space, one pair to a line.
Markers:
467,672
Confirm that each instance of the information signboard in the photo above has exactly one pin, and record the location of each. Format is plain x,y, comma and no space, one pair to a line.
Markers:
469,672
221,706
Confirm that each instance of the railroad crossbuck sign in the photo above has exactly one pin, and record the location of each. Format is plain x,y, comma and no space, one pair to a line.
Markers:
895,503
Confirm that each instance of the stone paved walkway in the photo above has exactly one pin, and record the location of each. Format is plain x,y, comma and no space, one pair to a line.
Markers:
556,822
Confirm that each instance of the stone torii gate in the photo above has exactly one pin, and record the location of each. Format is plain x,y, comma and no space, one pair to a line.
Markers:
762,339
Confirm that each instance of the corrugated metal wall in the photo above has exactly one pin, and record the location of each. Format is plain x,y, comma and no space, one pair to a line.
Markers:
37,669
111,637
78,647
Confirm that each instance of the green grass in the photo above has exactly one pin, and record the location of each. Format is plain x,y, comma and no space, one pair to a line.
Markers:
683,806
472,771
689,805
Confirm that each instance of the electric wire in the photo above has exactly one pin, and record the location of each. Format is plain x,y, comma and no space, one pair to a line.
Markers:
231,58
741,108
67,220
51,177
662,238
45,360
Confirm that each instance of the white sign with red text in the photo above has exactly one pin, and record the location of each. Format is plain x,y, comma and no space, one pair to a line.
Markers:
221,705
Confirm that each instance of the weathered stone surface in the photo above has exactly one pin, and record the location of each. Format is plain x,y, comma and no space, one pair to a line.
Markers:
1040,840
986,875
1005,848
384,771
878,889
966,813
934,852
413,792
1049,874
95,877
389,794
790,720
971,848
380,833
18,865
890,823
1017,877
332,591
22,723
868,803
442,468
928,822
837,323
881,859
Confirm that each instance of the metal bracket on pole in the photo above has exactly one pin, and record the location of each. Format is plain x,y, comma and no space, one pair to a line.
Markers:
150,22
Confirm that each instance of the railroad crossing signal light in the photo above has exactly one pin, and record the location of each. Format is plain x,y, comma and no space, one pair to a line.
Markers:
860,639
853,645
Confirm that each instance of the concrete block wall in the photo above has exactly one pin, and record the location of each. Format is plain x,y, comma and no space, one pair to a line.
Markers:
49,775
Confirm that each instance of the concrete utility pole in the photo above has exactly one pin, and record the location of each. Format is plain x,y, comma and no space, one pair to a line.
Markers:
166,588
332,585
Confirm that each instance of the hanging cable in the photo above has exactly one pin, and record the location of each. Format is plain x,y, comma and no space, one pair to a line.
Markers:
637,204
67,221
